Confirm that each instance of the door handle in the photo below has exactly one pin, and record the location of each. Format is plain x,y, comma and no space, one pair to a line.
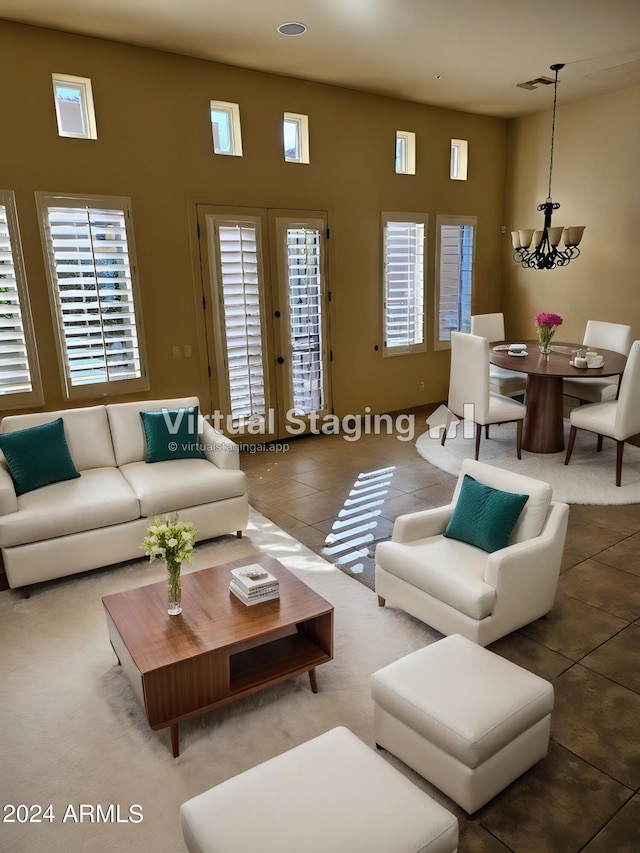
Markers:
280,360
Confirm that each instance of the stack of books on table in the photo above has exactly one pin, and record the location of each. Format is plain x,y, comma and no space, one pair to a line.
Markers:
253,584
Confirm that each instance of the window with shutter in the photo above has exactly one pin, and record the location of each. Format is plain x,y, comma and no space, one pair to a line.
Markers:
19,374
238,264
454,276
305,319
91,273
404,249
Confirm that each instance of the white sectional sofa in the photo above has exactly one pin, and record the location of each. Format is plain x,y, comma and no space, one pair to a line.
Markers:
100,517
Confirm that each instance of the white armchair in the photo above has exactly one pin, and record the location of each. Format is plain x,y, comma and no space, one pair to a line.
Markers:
460,588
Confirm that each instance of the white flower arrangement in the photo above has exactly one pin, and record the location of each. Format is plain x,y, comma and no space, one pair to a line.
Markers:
169,539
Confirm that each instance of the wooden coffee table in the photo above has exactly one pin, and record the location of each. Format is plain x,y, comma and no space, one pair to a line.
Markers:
218,649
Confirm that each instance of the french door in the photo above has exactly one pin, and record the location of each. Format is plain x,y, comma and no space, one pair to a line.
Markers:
266,316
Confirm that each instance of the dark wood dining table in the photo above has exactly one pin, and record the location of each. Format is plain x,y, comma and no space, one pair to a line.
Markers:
544,424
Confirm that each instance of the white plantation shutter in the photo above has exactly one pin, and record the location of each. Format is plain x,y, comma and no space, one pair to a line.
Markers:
18,362
305,319
92,278
238,265
404,284
455,276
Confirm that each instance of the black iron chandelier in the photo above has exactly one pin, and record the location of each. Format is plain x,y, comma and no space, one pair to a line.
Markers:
540,250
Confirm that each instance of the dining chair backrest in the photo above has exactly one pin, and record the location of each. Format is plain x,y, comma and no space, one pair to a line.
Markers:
613,336
627,421
489,326
469,375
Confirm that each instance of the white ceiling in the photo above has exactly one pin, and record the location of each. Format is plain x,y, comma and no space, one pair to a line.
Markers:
479,48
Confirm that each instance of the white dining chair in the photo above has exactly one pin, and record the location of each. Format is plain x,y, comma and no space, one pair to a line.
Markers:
600,335
469,392
510,383
618,419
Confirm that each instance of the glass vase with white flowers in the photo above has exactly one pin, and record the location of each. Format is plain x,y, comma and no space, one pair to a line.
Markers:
171,540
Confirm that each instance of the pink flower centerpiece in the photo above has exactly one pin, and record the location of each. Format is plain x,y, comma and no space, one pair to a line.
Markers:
547,325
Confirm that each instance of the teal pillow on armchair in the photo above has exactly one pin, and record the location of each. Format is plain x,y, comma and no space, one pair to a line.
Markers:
38,456
483,516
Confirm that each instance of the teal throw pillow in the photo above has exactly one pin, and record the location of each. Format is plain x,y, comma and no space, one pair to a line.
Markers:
38,456
172,434
483,516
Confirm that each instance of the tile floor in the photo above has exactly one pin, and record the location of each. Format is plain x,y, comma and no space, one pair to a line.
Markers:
585,795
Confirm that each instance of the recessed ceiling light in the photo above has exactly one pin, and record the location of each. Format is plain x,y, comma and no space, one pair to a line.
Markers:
292,29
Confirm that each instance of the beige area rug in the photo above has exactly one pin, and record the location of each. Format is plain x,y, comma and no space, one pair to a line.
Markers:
73,734
589,478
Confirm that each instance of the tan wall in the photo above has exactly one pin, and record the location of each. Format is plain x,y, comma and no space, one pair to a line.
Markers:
596,180
154,145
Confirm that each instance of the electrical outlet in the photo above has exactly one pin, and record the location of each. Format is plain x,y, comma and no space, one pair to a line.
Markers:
187,350
422,386
177,352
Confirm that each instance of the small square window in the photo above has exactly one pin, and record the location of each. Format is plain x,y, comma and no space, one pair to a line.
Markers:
225,125
459,159
75,112
295,132
405,152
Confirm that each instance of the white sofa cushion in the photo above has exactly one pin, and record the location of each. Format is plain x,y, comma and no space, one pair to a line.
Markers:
127,430
99,497
164,487
86,430
451,571
535,510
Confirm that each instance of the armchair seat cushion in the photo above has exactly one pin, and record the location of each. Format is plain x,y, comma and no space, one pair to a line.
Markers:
99,497
180,483
446,569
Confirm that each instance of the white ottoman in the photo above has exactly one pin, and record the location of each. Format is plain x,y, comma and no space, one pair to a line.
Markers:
332,794
466,719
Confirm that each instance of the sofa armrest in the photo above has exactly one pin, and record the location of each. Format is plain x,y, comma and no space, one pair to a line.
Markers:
8,497
222,451
527,566
420,525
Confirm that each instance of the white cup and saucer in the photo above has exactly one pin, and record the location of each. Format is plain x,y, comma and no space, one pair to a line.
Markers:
594,359
580,361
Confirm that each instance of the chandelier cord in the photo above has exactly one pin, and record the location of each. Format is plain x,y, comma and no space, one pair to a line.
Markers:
553,127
